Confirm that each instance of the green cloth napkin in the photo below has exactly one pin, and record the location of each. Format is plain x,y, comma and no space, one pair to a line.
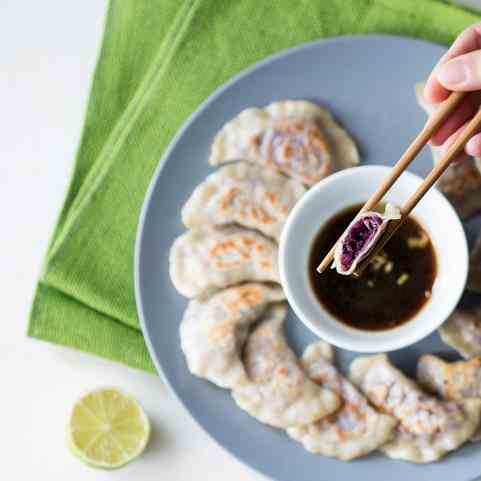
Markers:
159,60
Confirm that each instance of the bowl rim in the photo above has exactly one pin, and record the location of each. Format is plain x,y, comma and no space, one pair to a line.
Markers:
375,340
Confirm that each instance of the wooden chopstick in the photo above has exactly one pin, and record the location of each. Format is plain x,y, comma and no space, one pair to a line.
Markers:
472,128
430,128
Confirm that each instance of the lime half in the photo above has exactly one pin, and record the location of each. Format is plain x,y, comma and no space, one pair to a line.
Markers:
107,428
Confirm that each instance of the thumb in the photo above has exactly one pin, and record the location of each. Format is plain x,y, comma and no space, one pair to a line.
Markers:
461,73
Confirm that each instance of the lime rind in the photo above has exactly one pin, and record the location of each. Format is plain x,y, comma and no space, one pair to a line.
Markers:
107,429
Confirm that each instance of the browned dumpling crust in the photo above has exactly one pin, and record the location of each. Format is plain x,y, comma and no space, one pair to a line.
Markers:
462,331
214,330
428,428
294,137
356,429
244,194
207,258
279,392
451,380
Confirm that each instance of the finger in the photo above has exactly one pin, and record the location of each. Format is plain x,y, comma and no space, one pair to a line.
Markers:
461,73
452,138
450,141
473,147
467,41
434,92
465,110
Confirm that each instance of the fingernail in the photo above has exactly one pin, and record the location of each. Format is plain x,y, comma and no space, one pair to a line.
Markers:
452,73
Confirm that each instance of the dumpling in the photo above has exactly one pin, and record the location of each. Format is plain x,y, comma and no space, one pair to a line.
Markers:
457,380
279,392
205,258
428,428
213,331
451,380
461,183
353,431
462,331
474,276
295,137
243,194
360,237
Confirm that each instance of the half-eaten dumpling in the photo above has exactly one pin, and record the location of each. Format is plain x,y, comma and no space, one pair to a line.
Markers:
213,331
295,137
360,237
353,431
428,427
462,331
205,258
279,392
244,194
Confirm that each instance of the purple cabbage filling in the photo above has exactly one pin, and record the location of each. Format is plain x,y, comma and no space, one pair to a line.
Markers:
360,234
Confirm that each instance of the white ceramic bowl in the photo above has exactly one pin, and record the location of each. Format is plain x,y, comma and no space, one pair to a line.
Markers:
354,186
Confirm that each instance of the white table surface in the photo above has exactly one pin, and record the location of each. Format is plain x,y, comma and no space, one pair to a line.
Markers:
47,56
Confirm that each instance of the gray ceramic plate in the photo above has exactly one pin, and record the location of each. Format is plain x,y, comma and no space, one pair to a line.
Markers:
368,83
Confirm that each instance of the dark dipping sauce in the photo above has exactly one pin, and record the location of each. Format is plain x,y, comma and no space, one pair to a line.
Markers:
392,288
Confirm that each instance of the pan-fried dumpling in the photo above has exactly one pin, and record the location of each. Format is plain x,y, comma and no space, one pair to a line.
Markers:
428,428
295,137
213,331
461,183
462,331
353,431
279,392
451,380
205,258
360,237
457,380
243,194
474,276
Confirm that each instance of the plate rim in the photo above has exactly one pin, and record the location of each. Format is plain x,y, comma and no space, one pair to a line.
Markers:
140,231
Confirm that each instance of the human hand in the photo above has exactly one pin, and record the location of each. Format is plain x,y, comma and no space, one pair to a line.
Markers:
458,70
